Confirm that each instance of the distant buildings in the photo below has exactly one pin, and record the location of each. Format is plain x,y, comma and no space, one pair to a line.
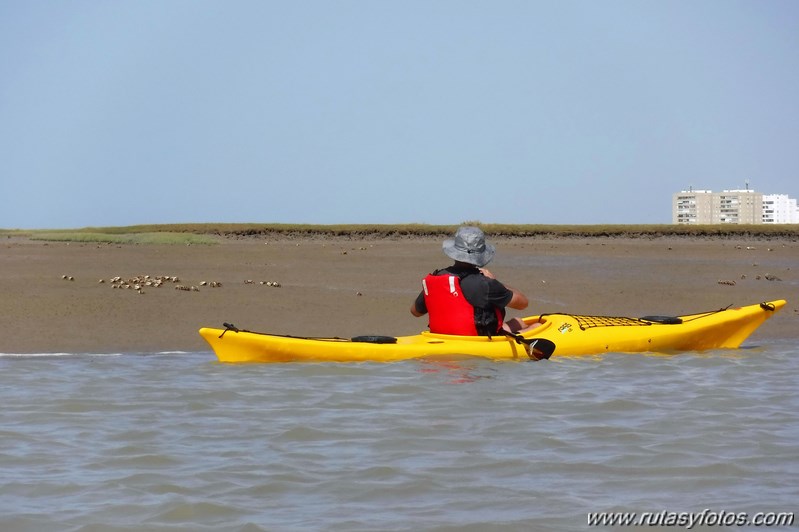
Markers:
733,207
780,209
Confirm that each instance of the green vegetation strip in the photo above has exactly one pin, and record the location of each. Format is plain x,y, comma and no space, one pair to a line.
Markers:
209,233
497,230
127,238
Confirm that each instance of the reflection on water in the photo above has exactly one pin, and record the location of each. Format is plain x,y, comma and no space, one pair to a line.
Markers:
181,442
458,370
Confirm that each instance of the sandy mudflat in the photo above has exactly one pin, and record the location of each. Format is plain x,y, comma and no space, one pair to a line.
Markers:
337,286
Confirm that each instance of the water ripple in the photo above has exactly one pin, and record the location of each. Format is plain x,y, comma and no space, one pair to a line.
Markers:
180,442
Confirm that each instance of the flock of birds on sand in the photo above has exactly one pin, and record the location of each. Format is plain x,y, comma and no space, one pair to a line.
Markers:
767,277
140,282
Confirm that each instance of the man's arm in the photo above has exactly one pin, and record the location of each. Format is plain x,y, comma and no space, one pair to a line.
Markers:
518,301
415,306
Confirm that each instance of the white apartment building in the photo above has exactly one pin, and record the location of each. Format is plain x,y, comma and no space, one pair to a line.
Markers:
780,209
732,207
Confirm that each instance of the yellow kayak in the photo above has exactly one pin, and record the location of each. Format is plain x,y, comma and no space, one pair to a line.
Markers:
558,335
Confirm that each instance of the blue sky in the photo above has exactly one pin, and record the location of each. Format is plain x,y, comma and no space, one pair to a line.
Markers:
555,112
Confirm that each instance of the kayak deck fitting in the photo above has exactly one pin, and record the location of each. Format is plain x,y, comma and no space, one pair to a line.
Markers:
558,335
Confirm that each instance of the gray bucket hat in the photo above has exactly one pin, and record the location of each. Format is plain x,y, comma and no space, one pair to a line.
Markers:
469,245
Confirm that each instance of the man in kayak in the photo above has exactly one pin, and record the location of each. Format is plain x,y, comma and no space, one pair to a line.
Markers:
465,298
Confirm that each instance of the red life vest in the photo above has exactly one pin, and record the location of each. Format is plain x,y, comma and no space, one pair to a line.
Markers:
449,311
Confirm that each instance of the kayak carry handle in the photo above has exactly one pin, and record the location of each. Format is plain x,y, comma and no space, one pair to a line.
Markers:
228,327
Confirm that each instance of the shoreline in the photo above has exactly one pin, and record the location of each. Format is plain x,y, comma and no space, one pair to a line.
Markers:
348,285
